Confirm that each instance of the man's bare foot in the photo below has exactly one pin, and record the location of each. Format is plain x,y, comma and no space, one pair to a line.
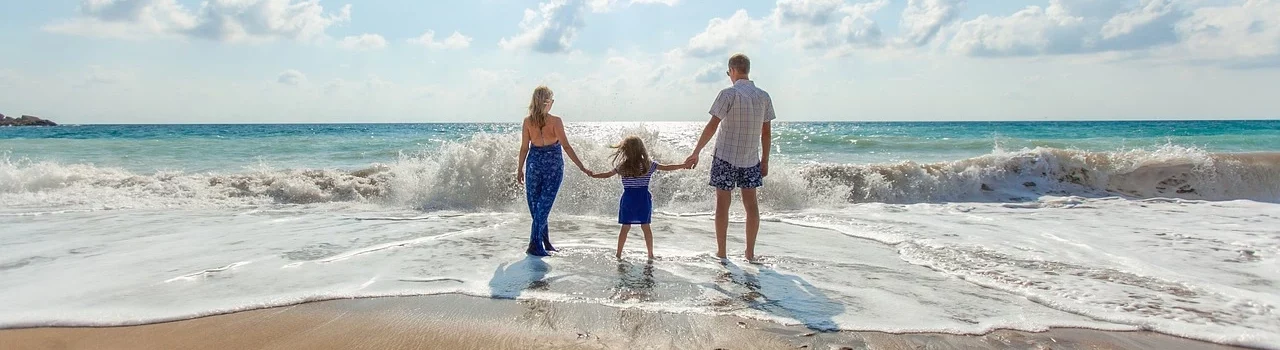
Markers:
618,255
751,257
651,258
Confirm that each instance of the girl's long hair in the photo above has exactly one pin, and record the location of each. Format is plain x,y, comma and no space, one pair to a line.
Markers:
631,158
538,105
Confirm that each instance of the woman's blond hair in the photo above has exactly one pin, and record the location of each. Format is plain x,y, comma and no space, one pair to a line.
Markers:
631,158
542,96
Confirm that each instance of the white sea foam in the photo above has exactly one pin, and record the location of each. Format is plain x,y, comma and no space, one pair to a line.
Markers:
479,175
1119,265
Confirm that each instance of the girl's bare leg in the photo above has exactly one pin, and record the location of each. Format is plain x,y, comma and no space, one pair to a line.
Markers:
648,239
622,239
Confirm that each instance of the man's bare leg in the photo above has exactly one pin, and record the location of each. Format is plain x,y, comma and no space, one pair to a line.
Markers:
750,205
723,200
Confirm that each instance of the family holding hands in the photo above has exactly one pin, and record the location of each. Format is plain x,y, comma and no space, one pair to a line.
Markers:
741,115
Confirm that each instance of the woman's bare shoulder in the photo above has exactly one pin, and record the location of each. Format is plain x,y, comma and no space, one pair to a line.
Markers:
554,118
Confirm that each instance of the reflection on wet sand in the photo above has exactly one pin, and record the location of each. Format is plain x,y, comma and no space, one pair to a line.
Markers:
635,283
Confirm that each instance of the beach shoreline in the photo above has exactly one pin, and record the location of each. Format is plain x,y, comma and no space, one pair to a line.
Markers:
464,322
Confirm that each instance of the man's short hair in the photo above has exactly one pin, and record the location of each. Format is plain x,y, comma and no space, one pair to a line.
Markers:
741,63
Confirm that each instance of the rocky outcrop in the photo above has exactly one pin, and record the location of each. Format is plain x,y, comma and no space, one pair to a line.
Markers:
25,120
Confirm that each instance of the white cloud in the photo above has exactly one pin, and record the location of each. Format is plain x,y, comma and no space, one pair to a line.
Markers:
642,73
551,29
453,42
291,77
127,19
663,2
820,24
599,6
220,20
602,5
922,19
1071,27
711,73
807,12
1240,36
723,35
1127,23
363,42
241,20
335,86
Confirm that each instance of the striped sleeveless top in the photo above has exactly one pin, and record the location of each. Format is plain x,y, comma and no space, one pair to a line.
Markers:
640,181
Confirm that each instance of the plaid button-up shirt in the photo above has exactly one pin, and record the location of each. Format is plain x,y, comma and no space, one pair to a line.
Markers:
742,109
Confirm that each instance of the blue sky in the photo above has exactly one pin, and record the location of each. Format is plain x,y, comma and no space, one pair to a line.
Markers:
247,61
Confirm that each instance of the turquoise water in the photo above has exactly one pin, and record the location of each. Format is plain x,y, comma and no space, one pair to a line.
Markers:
198,148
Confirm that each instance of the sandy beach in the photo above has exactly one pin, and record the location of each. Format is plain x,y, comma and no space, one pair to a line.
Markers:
462,322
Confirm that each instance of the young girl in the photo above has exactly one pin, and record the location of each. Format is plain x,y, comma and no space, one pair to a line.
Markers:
632,163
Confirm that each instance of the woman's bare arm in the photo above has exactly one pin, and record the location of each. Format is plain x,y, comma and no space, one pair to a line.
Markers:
568,149
524,149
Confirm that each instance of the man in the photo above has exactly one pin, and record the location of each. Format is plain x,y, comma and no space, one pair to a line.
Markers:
742,114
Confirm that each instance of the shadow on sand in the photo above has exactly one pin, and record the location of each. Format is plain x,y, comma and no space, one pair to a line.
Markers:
510,281
779,294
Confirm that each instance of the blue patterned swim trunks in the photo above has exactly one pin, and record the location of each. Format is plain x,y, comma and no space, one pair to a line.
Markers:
726,177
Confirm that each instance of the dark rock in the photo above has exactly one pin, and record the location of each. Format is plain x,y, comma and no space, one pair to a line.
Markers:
26,120
1029,184
986,188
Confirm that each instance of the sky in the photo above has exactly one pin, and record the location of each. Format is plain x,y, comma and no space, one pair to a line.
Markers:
326,61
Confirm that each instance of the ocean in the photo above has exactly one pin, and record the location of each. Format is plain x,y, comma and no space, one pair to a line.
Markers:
954,227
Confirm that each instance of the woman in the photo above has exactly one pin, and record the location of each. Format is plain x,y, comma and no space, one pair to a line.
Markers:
541,167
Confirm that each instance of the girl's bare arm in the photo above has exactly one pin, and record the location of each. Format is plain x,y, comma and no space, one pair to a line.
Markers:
671,167
605,175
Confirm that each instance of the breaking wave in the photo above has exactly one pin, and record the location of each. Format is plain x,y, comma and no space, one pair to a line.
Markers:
479,175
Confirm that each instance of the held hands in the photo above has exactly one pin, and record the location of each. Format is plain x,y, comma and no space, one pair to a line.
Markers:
692,161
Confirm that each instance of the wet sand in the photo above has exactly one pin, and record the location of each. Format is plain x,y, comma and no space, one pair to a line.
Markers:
461,322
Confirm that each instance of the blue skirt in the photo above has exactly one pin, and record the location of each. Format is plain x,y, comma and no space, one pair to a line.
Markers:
635,207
